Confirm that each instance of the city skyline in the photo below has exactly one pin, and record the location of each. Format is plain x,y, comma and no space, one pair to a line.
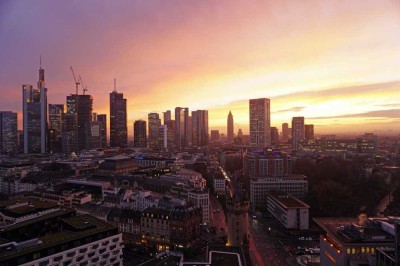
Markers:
337,77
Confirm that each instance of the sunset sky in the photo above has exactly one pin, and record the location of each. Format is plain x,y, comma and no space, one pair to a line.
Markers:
337,63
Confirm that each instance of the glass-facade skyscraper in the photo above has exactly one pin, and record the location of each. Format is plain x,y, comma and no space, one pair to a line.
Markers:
118,120
260,122
8,132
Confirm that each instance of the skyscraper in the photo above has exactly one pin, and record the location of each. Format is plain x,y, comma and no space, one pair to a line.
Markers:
82,106
260,122
102,118
200,128
274,136
139,134
118,120
214,136
167,116
181,127
154,126
162,137
56,112
298,132
8,132
34,106
69,134
170,134
285,132
309,132
230,133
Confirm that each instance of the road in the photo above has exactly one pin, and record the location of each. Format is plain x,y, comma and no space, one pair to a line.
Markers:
217,218
268,247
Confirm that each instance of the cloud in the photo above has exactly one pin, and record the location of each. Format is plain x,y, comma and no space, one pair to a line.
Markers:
391,113
293,109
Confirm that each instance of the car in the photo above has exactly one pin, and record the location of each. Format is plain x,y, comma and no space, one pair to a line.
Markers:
302,238
218,210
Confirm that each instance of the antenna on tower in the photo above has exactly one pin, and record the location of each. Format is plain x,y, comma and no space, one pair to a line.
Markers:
115,84
40,61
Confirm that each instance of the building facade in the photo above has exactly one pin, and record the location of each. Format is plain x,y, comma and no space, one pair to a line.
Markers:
139,134
181,127
118,120
260,122
8,132
200,135
230,128
154,126
298,132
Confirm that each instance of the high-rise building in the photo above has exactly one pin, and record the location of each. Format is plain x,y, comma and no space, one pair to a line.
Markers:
82,106
69,134
298,132
8,132
181,127
285,132
154,126
274,136
309,132
56,112
167,116
93,135
34,106
200,128
118,120
139,134
170,134
260,122
230,134
162,137
215,135
102,118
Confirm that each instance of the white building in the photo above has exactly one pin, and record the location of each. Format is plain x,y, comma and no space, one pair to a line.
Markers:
201,198
289,211
294,185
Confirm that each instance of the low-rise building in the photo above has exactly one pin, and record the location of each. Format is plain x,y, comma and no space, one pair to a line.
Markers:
155,228
61,238
117,165
293,185
292,213
128,223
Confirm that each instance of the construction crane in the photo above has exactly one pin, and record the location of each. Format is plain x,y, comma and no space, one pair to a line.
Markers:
83,86
76,82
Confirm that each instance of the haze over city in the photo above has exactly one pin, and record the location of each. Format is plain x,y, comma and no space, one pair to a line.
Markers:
337,64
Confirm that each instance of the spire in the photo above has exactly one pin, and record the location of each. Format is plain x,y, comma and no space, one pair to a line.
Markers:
115,84
40,61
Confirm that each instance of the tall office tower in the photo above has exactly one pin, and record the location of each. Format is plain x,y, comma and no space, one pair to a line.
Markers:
93,135
163,137
154,126
170,134
102,118
200,128
69,133
167,116
285,132
309,132
214,136
8,132
20,140
260,122
118,120
56,112
82,105
35,116
274,136
298,132
230,133
240,133
189,131
139,134
181,127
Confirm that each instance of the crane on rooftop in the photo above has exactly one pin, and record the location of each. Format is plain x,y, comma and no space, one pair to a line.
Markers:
83,86
76,82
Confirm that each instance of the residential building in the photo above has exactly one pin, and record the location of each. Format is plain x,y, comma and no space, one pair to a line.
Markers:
118,120
155,228
201,198
8,132
260,122
184,225
128,223
267,163
139,134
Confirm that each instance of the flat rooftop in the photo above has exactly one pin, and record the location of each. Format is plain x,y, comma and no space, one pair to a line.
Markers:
288,201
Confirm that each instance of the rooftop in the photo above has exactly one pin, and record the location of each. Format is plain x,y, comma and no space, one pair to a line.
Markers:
288,201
